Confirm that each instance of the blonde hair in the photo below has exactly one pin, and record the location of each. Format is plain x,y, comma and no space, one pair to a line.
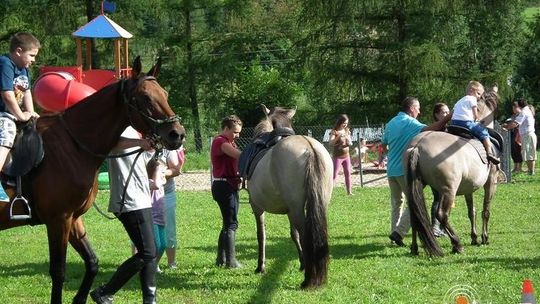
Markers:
474,85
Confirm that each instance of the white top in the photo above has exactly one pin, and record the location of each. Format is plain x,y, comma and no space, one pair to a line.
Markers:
463,108
525,120
138,190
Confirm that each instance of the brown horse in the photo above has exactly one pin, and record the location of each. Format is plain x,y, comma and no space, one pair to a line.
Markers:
295,178
452,166
64,186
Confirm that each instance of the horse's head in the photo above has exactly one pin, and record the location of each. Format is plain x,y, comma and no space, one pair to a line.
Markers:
148,107
279,117
487,106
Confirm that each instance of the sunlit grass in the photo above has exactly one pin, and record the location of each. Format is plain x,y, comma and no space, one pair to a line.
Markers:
364,267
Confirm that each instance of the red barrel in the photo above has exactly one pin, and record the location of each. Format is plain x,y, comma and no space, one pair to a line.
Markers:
57,91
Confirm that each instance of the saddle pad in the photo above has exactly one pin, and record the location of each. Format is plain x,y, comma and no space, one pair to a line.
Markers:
478,146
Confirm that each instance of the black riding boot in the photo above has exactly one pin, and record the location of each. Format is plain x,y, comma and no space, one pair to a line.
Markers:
220,260
148,282
230,250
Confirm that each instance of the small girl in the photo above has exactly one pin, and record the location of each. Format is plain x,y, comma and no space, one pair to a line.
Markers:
340,140
156,176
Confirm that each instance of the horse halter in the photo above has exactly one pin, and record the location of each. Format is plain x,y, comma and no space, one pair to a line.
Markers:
133,104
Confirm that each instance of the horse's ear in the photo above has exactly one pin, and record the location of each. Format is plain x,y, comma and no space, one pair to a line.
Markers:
137,67
154,71
291,112
265,109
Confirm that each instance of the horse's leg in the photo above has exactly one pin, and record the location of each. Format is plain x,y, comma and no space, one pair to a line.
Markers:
444,214
261,240
471,211
58,230
297,227
79,240
489,190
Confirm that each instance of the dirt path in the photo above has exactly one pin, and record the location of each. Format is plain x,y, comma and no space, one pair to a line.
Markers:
200,181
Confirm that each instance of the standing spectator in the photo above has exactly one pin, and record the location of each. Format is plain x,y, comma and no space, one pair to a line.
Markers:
525,123
397,134
134,210
440,111
224,155
174,160
17,104
340,140
515,141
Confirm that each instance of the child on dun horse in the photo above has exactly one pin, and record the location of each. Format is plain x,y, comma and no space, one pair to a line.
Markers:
466,115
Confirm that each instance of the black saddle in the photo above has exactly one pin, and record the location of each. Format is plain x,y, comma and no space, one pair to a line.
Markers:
27,151
257,149
494,136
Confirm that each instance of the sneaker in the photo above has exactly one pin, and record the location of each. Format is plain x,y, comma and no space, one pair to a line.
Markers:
99,297
3,195
397,239
172,266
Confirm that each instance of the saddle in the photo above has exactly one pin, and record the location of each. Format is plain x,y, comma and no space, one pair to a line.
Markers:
26,154
255,151
466,135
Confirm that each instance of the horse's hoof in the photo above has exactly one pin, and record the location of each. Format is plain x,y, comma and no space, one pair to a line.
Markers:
458,249
475,243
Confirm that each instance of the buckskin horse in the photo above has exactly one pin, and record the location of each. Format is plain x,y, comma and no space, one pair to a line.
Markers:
295,178
76,142
453,166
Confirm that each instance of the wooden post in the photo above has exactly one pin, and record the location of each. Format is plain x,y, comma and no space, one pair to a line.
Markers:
79,52
117,58
88,54
127,72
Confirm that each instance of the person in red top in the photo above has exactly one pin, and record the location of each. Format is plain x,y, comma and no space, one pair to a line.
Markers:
224,155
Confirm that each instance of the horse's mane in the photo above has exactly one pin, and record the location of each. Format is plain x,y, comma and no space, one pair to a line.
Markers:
262,127
491,99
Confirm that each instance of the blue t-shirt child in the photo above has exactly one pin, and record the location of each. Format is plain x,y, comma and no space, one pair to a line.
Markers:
13,78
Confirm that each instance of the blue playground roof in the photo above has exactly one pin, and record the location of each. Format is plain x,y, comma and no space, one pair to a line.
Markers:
101,27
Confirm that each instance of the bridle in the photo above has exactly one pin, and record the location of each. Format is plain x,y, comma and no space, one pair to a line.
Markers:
132,104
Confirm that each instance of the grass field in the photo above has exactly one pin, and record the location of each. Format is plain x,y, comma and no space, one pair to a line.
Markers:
364,267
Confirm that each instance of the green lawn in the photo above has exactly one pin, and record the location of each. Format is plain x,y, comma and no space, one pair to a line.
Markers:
364,267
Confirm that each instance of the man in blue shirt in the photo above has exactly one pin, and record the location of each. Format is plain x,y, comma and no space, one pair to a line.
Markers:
398,132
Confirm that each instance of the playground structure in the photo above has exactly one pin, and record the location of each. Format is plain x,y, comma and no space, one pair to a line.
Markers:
58,88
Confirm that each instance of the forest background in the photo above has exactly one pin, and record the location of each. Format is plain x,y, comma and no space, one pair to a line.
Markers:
359,57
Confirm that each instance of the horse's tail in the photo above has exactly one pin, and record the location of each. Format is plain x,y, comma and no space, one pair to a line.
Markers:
417,205
315,236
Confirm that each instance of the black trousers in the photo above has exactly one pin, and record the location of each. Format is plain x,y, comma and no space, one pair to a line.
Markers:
227,199
138,225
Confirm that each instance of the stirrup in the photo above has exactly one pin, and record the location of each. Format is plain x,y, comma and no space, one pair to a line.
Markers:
20,200
24,216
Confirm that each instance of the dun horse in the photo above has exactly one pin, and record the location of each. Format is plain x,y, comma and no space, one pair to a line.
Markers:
63,187
295,178
452,166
